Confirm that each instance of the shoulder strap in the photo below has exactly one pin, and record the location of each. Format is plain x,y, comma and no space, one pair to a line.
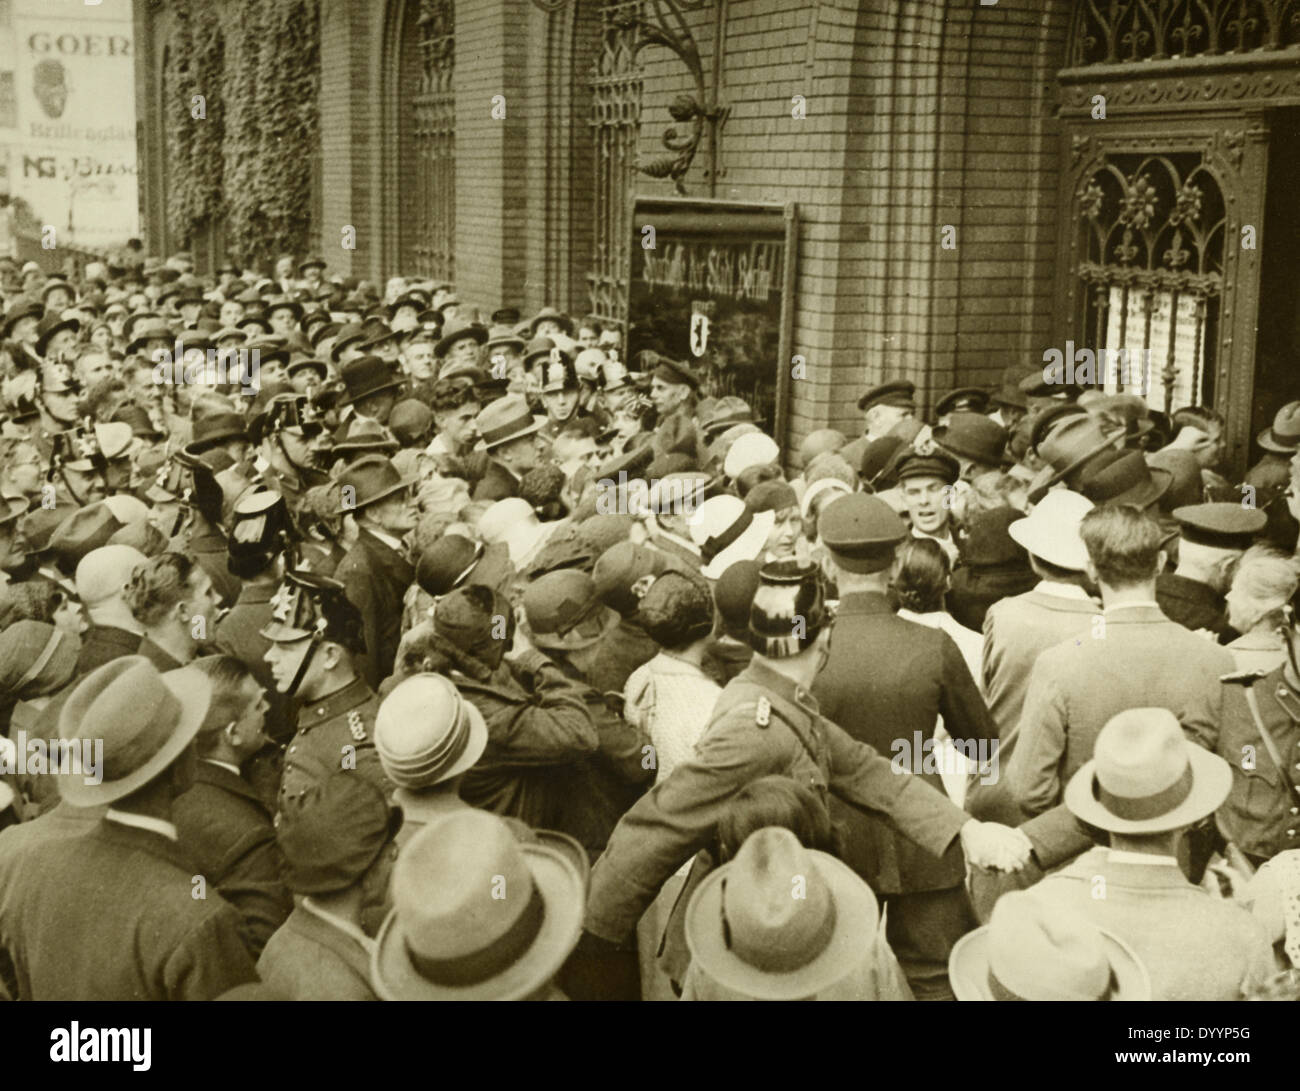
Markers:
1269,744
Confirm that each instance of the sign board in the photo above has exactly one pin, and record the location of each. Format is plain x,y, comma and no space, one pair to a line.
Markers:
716,291
72,152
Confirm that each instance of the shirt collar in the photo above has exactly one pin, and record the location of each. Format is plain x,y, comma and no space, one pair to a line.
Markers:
1145,605
395,544
224,765
1063,590
344,926
1147,859
143,822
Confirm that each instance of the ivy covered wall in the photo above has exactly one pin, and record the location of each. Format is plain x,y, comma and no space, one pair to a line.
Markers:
240,111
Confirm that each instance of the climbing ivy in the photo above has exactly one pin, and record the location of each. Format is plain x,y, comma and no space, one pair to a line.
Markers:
248,163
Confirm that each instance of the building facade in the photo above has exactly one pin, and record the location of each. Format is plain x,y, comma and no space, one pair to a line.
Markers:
966,186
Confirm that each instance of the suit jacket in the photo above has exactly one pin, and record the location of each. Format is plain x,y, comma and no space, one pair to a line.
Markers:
102,644
110,916
1193,604
227,828
309,958
1194,946
678,817
1139,659
375,577
497,483
886,683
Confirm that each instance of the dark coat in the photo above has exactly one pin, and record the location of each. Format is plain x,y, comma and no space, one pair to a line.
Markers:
227,829
110,916
1194,605
497,483
375,577
102,644
886,682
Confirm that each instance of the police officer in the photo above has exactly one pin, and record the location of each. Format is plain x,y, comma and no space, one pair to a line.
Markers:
1211,539
1259,735
314,634
765,722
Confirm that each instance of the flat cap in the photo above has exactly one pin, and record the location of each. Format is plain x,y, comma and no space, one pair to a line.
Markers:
936,464
1224,525
974,399
899,392
861,532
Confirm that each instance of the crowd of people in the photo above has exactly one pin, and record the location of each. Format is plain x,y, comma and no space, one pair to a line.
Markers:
359,644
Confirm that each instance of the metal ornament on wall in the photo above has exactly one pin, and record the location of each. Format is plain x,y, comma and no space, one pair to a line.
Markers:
697,116
1124,31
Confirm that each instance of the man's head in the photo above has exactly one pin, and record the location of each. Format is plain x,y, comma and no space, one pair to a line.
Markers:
455,406
926,482
417,358
92,366
232,313
233,730
1123,544
173,599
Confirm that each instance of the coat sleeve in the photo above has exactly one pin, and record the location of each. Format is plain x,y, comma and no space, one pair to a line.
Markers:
965,715
210,960
1034,769
550,727
677,818
861,776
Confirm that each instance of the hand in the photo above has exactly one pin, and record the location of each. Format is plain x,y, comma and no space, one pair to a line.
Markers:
990,845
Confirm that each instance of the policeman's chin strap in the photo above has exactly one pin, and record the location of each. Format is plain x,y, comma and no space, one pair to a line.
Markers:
317,639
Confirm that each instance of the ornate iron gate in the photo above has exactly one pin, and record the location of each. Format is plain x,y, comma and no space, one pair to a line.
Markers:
433,109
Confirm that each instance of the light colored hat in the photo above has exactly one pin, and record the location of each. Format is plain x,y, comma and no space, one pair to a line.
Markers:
145,718
1146,777
752,449
747,931
1034,950
477,915
426,732
103,572
726,532
127,508
821,485
513,522
1051,529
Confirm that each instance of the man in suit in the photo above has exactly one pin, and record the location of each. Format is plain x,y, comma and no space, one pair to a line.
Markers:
338,845
1145,786
375,572
124,890
100,579
509,433
221,819
1018,629
886,682
765,722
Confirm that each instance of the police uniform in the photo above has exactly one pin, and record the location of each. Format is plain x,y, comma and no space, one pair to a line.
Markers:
1190,602
1262,812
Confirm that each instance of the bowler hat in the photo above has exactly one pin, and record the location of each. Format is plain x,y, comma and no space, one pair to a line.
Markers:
788,611
371,478
477,915
748,933
446,563
284,303
426,732
1145,776
145,718
1033,949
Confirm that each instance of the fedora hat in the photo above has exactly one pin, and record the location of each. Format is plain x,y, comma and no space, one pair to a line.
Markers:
1066,439
49,326
504,420
152,330
1282,437
1034,950
1145,776
145,718
459,329
502,335
209,429
972,435
452,936
365,435
371,478
426,732
747,933
562,320
1051,529
1125,479
18,310
368,375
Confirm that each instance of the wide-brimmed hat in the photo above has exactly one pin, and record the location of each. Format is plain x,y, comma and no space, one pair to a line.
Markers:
452,935
973,436
726,532
562,320
1032,949
210,429
1066,440
748,933
1051,529
152,330
144,717
1145,776
370,478
505,419
18,310
426,732
364,436
458,330
284,302
1282,437
368,375
49,326
1125,479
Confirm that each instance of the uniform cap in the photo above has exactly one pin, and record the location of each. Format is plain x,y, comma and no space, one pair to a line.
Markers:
936,464
1222,525
897,392
861,532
